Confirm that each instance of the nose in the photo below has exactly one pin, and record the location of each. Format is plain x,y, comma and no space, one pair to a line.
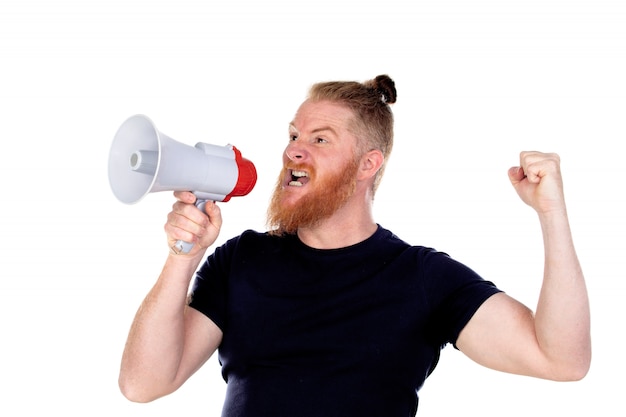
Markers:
295,152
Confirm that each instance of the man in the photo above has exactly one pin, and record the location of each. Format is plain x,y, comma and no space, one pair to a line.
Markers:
329,314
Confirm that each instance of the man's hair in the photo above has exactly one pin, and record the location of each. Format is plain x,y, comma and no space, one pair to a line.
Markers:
370,103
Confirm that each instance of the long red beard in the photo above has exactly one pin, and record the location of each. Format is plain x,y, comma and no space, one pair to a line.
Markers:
321,201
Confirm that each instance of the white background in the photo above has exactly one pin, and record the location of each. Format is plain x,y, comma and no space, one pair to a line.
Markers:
478,81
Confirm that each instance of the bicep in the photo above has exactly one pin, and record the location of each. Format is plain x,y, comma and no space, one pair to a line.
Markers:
202,338
501,335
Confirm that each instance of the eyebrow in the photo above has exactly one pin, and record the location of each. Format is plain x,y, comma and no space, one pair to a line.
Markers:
317,130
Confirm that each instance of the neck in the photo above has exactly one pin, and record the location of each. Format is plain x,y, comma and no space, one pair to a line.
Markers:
351,224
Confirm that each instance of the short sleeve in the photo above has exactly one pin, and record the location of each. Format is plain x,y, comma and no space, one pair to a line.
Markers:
456,292
209,293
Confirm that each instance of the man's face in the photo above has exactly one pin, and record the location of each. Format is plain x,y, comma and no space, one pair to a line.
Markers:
319,167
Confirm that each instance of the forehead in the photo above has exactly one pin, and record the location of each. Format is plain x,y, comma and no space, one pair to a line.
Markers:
313,115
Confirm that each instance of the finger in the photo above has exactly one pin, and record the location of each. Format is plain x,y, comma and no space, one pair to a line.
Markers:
214,212
533,173
190,232
185,218
538,165
192,213
185,196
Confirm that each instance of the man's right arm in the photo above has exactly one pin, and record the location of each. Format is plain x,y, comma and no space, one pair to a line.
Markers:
168,340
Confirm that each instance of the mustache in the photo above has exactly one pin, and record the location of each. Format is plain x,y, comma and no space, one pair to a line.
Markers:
302,166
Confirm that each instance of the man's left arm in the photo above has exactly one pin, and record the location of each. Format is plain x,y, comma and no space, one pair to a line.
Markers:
554,342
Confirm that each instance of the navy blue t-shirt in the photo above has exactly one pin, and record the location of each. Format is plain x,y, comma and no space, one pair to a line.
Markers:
350,332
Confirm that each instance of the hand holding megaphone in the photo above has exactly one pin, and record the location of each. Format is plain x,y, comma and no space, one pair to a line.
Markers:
143,160
204,224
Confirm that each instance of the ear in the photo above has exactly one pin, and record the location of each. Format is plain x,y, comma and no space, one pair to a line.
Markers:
370,164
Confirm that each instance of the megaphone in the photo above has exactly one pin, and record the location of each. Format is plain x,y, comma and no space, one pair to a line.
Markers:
143,160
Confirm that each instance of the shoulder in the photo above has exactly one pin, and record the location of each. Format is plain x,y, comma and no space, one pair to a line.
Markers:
251,243
247,238
419,253
439,272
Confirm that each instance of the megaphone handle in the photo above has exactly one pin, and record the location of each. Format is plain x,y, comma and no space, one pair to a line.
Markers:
182,246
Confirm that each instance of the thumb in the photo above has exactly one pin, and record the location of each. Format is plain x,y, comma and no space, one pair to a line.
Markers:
516,174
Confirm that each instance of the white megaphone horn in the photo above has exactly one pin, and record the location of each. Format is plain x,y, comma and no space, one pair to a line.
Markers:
143,160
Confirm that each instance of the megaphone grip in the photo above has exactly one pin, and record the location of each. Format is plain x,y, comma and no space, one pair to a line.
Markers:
182,247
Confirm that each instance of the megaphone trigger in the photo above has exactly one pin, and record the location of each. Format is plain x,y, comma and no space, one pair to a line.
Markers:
200,204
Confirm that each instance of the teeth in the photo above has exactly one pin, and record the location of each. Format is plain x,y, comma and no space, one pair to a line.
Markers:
295,175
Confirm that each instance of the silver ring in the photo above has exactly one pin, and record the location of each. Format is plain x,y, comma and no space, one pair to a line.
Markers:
176,249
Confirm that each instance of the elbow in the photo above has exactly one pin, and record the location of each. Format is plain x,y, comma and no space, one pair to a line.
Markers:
135,392
575,371
573,375
571,364
135,397
580,371
131,393
581,368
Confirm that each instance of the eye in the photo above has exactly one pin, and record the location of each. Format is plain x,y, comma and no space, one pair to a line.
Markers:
293,137
320,140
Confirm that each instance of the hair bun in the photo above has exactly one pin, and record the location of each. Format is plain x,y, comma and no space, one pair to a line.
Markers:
384,85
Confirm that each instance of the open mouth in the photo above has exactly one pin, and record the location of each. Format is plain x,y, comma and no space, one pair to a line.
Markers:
298,178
